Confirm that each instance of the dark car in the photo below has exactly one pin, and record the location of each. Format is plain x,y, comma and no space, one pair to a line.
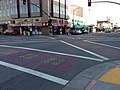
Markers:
84,31
10,32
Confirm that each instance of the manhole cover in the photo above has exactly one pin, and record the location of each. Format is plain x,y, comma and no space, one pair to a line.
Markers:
29,56
54,61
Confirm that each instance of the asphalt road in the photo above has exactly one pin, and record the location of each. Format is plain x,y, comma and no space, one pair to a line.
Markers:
50,63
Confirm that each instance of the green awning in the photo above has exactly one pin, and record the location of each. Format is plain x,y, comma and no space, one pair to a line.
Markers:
78,26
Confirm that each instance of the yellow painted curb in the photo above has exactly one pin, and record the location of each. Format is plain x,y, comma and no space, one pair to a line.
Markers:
112,76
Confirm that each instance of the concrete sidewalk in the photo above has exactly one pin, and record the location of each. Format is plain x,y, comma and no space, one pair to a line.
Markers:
104,76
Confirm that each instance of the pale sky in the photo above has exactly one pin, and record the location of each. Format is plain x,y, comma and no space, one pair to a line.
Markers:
99,11
102,10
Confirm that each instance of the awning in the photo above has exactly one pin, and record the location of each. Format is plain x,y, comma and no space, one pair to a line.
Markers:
78,26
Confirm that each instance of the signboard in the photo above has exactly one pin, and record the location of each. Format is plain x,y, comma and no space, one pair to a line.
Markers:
26,24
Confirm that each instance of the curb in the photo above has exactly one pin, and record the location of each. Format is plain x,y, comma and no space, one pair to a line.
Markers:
87,79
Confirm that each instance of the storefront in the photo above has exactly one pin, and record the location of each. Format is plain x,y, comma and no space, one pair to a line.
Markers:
21,28
39,28
3,26
35,28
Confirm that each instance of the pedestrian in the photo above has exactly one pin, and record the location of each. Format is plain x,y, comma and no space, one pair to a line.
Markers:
50,32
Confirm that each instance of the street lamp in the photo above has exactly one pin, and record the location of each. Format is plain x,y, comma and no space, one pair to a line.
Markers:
74,13
89,16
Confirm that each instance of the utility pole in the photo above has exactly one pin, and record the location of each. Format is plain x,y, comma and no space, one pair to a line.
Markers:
106,2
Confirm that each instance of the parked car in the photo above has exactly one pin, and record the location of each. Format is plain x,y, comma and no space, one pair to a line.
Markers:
84,31
76,31
107,30
117,30
10,32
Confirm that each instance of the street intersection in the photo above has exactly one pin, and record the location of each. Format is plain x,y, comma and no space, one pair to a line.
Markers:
51,62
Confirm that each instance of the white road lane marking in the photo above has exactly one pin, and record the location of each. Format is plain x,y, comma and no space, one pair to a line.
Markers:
51,52
102,57
28,42
102,44
51,38
35,73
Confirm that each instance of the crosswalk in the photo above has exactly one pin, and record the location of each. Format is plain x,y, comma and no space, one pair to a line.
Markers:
97,38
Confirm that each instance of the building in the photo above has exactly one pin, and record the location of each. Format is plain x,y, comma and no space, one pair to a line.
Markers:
33,16
4,15
76,16
106,23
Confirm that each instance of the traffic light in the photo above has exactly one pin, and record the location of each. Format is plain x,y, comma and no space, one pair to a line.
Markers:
24,2
89,2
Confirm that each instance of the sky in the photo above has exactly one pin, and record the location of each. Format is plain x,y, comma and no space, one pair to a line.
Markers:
99,11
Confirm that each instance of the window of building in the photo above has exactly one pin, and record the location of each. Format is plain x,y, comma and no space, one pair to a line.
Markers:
3,2
8,12
13,11
62,12
0,13
4,13
62,1
60,6
55,9
13,1
23,9
7,1
35,8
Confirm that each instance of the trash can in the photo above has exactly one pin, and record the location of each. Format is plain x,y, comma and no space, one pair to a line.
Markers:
28,33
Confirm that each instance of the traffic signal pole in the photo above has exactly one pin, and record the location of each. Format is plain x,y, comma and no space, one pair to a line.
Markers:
105,2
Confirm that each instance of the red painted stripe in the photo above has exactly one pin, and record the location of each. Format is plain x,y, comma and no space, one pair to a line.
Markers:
92,83
118,66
